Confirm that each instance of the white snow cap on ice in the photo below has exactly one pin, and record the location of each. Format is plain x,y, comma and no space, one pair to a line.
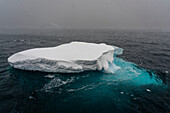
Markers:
66,58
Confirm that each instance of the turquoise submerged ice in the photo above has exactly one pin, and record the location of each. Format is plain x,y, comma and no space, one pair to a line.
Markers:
132,74
73,57
123,83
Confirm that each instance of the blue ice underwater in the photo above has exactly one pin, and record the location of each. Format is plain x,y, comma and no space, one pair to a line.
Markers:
119,89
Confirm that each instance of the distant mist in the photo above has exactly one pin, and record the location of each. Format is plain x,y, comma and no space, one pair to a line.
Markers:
86,14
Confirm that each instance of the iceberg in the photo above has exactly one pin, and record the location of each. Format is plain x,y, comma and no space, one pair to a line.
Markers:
72,57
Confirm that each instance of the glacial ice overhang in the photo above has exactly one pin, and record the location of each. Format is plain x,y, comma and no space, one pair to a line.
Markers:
73,57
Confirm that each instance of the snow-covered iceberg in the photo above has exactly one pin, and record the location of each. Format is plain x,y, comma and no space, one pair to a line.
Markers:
67,58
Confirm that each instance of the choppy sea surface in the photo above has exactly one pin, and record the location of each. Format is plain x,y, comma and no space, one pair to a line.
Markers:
141,85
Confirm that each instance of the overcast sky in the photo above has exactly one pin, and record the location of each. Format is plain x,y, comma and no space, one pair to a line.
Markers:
114,14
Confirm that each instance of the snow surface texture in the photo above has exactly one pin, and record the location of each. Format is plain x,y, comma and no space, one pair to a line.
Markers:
73,57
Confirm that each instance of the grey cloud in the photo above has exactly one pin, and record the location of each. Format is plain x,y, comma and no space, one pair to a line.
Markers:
114,14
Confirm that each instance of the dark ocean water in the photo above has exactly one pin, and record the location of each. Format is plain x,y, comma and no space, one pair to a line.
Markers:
142,85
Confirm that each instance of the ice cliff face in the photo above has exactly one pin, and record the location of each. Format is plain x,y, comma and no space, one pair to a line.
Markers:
73,57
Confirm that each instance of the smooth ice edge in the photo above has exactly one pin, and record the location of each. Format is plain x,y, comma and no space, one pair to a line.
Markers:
73,57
